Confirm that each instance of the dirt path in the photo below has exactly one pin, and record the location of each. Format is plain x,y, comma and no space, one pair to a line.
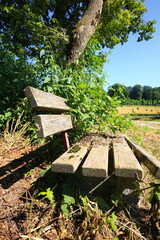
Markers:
150,124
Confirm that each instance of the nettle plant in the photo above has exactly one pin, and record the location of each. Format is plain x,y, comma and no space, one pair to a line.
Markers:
83,86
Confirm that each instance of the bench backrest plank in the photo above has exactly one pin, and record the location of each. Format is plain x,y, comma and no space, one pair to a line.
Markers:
51,124
96,163
125,162
40,100
70,160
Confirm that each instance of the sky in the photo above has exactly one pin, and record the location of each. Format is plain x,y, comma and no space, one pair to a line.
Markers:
137,62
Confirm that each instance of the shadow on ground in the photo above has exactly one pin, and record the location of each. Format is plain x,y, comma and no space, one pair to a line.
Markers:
16,170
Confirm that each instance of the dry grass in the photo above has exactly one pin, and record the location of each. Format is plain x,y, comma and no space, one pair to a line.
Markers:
148,138
42,221
139,110
13,136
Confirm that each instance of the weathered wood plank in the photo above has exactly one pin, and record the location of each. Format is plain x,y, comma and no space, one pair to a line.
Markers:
125,162
50,124
96,164
149,161
40,100
70,160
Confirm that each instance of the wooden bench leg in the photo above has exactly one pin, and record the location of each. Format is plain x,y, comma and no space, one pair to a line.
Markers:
65,140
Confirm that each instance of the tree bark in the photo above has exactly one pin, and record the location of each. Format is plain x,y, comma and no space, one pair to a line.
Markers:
85,28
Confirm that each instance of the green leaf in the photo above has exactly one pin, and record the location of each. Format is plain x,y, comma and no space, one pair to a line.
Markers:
47,79
112,220
7,114
45,171
42,52
82,85
68,199
48,194
66,204
49,89
116,238
46,61
84,201
65,209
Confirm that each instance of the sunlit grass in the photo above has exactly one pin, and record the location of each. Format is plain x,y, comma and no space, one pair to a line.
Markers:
146,137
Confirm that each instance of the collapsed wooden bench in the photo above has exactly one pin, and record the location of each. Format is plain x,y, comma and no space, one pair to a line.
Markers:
93,160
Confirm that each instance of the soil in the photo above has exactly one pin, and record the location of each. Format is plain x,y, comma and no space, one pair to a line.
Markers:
19,170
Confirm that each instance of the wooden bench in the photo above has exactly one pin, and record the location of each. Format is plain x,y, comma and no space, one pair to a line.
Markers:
93,160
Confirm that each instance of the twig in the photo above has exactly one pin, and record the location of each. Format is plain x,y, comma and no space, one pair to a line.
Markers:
28,237
33,230
131,229
101,183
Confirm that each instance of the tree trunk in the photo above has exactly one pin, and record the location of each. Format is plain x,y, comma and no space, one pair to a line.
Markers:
84,30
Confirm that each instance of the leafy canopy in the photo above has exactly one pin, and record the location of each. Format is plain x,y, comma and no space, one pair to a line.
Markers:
33,24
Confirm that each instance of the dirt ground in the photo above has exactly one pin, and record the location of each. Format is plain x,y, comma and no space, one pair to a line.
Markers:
19,170
150,124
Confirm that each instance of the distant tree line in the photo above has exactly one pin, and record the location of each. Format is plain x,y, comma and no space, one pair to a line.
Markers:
136,95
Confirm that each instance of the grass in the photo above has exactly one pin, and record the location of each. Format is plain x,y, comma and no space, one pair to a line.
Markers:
145,117
147,137
13,135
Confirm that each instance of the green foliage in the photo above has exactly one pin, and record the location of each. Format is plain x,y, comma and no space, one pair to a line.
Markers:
15,74
112,218
45,171
101,202
30,25
155,195
90,104
29,173
123,17
117,90
49,194
136,95
82,86
67,199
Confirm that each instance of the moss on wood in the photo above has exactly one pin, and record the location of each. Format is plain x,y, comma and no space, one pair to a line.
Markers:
74,149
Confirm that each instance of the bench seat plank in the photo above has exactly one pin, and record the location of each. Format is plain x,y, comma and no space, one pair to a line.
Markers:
96,164
40,100
149,161
50,124
70,160
125,162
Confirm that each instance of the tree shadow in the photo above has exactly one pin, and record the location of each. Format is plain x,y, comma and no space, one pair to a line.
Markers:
15,170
